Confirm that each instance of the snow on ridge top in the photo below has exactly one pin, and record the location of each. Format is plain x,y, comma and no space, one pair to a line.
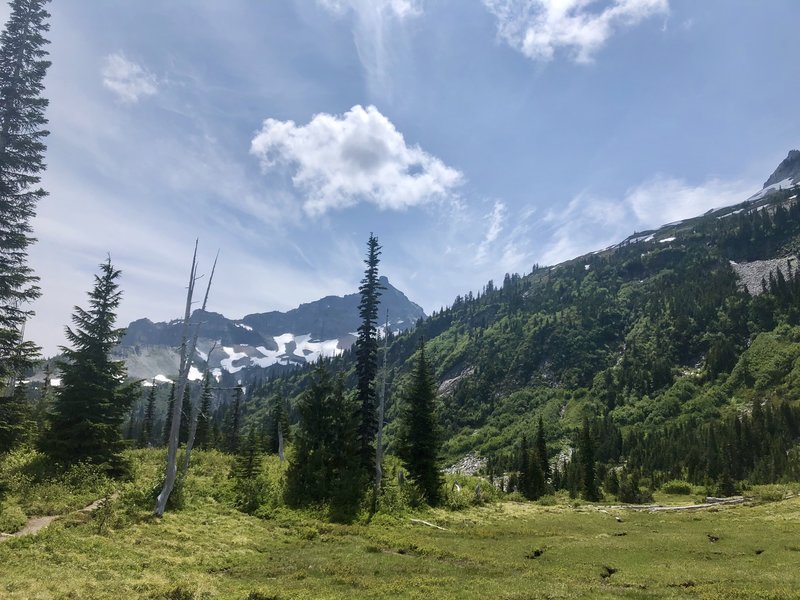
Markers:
163,379
783,184
243,326
666,240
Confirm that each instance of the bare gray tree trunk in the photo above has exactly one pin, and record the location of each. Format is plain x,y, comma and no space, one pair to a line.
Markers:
195,416
183,374
280,442
192,348
381,410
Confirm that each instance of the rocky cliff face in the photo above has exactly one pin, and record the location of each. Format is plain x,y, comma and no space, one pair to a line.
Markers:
788,171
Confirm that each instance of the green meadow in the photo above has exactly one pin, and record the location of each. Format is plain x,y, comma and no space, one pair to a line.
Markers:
502,549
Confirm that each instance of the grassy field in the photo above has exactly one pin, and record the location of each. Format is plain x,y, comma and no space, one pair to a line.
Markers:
502,550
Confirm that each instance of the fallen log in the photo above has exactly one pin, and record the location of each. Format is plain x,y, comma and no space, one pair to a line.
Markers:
710,503
421,522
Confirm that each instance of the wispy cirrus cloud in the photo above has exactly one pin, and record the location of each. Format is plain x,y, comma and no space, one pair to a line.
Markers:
374,21
493,231
539,28
129,81
338,161
591,223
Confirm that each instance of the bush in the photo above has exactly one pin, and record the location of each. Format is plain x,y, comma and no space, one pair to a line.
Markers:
677,487
12,518
458,500
41,489
630,492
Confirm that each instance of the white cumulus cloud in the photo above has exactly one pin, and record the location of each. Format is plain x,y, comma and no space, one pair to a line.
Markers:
538,28
127,79
337,161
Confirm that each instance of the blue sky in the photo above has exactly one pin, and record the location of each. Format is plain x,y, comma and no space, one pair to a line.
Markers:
474,137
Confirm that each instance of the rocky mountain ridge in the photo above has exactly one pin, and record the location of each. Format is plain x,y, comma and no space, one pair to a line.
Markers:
270,340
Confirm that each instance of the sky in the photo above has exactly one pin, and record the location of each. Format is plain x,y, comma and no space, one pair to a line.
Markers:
473,137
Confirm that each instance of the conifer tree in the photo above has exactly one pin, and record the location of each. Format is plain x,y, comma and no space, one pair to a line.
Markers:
42,404
248,460
232,422
168,419
278,425
146,434
586,455
420,440
202,435
541,449
23,66
92,402
325,468
248,489
530,482
13,419
367,357
523,467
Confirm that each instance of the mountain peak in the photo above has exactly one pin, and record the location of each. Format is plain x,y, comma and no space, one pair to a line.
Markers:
788,169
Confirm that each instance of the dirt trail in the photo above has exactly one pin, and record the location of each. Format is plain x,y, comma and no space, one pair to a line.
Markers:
36,524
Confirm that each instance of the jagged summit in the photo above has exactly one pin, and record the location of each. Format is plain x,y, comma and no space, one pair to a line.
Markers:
788,171
324,327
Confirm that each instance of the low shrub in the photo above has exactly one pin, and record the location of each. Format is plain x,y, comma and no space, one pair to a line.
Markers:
677,487
12,518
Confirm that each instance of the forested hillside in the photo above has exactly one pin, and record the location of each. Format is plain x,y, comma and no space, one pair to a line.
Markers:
656,344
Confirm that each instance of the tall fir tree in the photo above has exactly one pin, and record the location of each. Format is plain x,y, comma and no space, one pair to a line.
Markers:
524,467
541,449
586,455
146,434
248,460
419,441
367,357
92,403
168,419
42,404
23,65
324,467
232,423
277,424
202,436
14,423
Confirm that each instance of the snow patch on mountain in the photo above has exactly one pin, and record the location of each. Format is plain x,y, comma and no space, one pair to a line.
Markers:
781,185
311,351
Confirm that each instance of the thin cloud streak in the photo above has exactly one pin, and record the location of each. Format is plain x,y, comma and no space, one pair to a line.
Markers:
373,29
129,81
591,223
